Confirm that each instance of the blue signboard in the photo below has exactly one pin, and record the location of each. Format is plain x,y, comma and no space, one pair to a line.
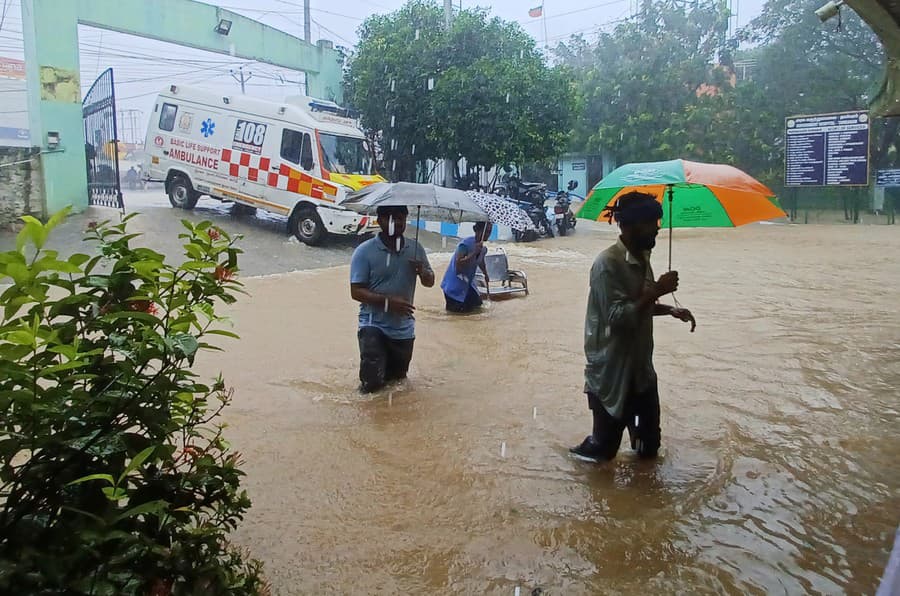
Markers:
20,134
827,150
887,178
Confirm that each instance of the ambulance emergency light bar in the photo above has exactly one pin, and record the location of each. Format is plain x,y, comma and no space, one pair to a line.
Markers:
320,105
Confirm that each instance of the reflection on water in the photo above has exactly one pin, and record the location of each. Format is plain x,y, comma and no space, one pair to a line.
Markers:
779,470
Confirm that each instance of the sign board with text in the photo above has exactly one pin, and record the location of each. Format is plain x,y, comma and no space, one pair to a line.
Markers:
887,177
827,149
12,68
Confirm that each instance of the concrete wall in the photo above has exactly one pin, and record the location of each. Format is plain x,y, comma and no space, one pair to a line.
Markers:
578,167
21,192
14,114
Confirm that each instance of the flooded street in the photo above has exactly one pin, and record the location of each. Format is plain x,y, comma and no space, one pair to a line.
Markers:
779,470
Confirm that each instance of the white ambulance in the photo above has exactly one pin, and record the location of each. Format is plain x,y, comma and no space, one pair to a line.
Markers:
297,158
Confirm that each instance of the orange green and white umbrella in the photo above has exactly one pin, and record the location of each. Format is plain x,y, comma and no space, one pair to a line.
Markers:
693,194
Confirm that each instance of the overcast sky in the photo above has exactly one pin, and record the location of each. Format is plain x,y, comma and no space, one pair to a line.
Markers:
142,67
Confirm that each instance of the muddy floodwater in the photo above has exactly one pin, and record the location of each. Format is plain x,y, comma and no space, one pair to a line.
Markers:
779,471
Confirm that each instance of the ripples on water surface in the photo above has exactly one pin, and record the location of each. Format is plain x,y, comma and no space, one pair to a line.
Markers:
779,471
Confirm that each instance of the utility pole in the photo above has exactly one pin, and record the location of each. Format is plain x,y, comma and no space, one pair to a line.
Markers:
307,34
449,166
240,78
448,13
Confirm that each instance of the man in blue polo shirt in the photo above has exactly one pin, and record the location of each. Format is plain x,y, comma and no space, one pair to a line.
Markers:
383,273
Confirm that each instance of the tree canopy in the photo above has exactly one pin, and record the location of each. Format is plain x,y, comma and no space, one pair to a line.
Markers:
664,84
480,90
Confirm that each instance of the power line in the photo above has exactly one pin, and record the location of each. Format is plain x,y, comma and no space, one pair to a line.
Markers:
367,4
295,12
585,9
168,75
327,30
129,53
337,14
596,27
3,16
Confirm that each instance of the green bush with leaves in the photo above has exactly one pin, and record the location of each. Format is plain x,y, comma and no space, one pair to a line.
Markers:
114,477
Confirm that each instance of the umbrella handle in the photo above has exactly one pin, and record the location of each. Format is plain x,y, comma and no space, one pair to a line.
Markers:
671,200
418,213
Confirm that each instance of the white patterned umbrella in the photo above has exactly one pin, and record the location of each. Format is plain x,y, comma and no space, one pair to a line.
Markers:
502,211
429,202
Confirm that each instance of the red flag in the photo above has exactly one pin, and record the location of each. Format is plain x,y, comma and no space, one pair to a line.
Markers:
536,11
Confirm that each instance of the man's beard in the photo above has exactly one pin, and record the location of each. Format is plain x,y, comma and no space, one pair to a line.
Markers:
646,242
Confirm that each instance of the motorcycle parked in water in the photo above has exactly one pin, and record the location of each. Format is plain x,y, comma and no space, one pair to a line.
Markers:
467,182
530,197
562,210
538,214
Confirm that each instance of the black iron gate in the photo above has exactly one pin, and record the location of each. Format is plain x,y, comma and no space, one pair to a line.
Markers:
101,145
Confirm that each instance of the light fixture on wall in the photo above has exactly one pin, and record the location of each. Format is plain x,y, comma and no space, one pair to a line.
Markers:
224,27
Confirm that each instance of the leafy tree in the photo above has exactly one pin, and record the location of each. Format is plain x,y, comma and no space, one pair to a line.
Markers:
807,67
113,477
662,85
497,100
479,91
650,89
387,81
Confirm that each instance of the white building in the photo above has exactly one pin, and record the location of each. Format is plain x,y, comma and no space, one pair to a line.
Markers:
13,104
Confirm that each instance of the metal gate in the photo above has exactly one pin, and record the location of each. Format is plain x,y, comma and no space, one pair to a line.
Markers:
101,145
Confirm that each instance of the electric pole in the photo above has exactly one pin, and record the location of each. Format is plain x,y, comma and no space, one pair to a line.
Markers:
448,13
449,166
307,34
241,78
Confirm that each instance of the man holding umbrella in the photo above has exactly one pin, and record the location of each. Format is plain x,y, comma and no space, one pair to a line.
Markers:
383,273
620,381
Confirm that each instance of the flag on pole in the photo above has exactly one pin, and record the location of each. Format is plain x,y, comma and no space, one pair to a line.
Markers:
536,11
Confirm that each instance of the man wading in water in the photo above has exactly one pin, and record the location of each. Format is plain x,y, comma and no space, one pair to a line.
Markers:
620,381
383,272
460,291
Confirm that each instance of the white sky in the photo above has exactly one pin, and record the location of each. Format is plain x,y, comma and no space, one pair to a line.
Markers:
142,67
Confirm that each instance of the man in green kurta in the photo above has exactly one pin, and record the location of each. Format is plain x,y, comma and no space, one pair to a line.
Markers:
620,381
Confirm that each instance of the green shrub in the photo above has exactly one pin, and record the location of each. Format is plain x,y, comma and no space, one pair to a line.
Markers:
114,477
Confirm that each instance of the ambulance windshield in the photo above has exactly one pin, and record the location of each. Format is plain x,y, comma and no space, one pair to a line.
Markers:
345,155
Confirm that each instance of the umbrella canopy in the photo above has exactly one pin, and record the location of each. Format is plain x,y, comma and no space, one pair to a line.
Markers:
703,195
502,211
429,202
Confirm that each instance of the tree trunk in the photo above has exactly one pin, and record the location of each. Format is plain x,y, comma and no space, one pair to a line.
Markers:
885,136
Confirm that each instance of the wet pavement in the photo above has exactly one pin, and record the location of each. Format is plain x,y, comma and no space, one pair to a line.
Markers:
268,246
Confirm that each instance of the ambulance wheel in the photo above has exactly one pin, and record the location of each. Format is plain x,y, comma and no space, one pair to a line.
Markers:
182,194
306,225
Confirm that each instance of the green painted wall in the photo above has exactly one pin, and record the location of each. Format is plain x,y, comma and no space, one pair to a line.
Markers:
55,106
51,55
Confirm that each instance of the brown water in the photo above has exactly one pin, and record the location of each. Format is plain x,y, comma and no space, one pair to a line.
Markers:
779,471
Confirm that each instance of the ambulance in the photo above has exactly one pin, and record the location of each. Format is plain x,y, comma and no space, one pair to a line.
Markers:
298,158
